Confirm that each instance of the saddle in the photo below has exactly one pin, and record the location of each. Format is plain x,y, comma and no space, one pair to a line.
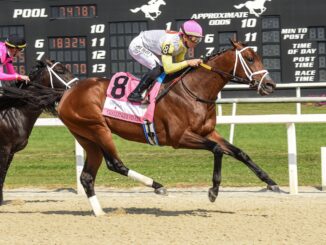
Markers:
117,105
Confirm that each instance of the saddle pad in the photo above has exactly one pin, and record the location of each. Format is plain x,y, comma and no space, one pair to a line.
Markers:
117,105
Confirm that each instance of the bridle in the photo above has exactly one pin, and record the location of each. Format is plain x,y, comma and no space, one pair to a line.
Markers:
245,67
238,59
52,72
233,78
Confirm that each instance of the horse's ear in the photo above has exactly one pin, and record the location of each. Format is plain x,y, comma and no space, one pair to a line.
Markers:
48,62
233,42
40,63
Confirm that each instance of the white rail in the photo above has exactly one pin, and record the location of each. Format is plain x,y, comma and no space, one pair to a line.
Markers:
235,101
289,120
297,87
271,100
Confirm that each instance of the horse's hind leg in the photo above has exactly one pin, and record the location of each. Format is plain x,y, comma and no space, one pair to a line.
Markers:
87,178
114,163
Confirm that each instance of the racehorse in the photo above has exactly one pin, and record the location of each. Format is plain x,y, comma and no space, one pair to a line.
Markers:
184,118
20,107
253,5
151,8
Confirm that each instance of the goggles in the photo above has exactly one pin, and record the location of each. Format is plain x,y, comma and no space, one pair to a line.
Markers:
195,39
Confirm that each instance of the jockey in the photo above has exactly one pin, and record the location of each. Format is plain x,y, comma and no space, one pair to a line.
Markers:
161,50
11,48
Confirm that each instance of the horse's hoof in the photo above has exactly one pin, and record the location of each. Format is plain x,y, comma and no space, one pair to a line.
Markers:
161,191
212,195
274,188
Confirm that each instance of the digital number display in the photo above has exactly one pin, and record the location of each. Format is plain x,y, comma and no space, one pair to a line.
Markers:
73,11
272,64
270,23
67,42
317,33
276,76
271,50
322,75
72,52
322,62
271,36
322,48
18,62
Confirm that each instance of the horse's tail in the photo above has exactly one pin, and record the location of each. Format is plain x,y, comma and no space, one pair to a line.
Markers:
135,10
240,6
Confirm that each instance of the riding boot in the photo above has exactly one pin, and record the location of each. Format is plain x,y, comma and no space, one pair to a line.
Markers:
137,94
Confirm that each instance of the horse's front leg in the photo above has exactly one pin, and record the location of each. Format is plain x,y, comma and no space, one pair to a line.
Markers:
191,140
238,154
217,177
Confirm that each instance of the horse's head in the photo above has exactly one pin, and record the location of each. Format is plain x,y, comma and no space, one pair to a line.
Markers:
249,65
159,2
52,74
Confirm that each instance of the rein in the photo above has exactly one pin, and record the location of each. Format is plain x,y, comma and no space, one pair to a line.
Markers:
233,78
252,83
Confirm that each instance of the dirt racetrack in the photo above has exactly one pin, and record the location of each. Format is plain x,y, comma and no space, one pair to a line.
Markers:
185,216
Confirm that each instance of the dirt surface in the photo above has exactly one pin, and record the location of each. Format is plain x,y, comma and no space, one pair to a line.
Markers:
185,216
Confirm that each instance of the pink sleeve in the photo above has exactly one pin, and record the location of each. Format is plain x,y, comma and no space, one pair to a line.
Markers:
7,77
10,68
11,75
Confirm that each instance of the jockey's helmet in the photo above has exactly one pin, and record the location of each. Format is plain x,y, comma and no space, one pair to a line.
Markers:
193,30
14,41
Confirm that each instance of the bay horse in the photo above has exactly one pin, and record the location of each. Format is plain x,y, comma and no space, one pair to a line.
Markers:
20,108
184,118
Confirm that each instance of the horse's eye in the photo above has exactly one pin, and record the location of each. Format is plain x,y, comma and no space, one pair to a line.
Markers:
250,59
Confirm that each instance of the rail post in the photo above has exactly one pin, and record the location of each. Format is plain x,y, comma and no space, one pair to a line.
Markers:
292,158
232,126
298,93
323,168
79,166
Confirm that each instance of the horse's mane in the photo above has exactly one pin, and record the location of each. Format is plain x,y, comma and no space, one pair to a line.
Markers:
33,97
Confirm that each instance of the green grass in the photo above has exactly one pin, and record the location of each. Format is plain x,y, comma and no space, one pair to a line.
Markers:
48,160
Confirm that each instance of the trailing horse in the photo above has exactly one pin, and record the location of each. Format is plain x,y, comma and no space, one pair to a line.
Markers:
20,108
184,118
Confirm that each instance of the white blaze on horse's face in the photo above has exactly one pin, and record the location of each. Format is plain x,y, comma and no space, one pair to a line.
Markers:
264,87
52,72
